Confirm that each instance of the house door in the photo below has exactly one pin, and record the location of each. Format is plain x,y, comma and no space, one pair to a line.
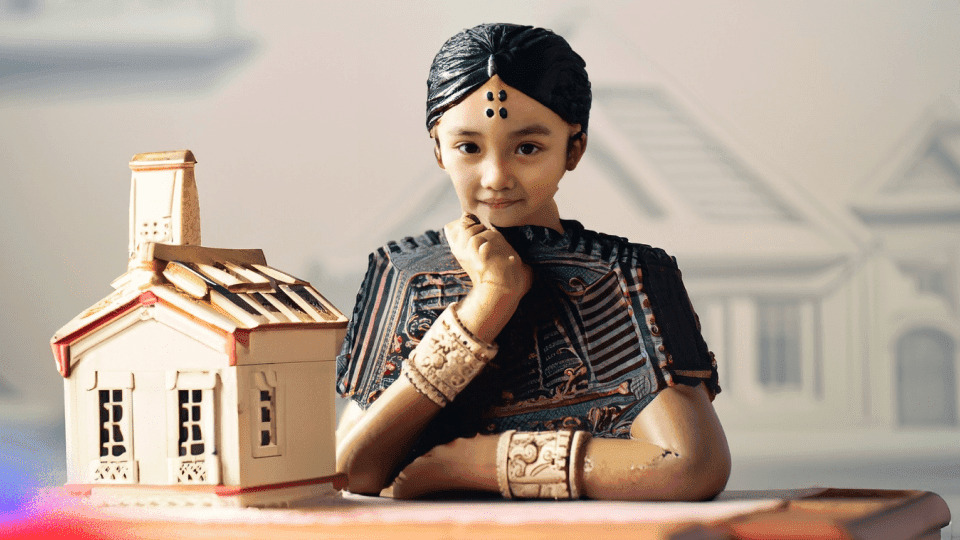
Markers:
926,378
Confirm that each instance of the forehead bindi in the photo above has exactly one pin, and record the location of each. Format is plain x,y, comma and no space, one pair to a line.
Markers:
480,114
501,98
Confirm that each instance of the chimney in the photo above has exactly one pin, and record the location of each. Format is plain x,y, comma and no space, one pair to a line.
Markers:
164,206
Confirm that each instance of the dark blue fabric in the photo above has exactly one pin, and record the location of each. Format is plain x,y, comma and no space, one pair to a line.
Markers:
606,326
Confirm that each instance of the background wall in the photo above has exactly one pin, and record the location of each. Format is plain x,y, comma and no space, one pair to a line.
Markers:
307,121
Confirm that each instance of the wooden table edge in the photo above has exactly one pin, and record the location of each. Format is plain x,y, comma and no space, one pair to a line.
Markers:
903,518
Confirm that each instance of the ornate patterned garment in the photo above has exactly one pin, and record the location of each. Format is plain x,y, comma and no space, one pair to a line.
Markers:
606,326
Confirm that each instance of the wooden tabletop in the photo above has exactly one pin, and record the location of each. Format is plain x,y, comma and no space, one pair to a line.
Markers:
780,514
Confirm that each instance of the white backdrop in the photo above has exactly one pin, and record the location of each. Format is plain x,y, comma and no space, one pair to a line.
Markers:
315,136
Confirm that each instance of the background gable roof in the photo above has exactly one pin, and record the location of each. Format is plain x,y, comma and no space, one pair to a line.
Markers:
711,179
658,170
919,182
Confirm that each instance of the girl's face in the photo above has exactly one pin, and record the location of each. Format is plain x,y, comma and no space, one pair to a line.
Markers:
506,154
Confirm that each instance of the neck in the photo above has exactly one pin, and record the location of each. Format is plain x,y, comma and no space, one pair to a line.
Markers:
548,216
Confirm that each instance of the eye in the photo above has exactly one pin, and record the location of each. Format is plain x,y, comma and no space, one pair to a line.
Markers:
527,149
469,148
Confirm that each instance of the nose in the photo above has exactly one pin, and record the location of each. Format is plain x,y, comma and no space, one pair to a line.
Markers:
497,174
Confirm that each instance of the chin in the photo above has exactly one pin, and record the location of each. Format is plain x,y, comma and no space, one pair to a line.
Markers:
504,223
488,220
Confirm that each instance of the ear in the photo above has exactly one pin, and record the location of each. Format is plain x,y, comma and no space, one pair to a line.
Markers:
575,149
436,154
436,145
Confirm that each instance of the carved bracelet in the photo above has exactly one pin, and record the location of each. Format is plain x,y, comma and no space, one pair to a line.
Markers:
541,465
447,358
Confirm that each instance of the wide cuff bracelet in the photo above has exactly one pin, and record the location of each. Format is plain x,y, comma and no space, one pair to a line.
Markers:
541,465
447,359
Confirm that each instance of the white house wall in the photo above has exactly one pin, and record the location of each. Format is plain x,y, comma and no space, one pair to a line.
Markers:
72,421
147,350
905,308
841,379
850,324
835,330
863,320
878,280
272,346
305,405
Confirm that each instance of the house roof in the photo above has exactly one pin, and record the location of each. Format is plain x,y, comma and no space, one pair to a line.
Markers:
713,180
233,291
919,181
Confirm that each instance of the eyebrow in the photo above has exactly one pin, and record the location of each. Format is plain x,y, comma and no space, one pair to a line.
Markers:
535,129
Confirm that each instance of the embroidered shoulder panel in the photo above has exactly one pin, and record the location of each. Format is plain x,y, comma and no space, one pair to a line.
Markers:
607,325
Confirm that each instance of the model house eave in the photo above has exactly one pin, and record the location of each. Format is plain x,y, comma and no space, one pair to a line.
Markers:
216,296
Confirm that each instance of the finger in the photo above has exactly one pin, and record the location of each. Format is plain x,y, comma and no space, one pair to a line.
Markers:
463,224
484,250
493,236
490,249
475,229
456,233
477,241
486,223
468,221
471,224
452,230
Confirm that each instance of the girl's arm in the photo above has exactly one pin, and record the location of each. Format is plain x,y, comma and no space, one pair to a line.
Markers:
370,449
677,451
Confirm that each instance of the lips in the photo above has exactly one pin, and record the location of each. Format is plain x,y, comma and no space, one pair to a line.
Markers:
497,204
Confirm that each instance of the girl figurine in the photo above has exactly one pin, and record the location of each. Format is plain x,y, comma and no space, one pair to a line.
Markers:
515,352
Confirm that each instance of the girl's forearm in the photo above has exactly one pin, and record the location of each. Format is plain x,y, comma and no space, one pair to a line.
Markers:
610,469
678,452
616,469
374,446
371,450
486,310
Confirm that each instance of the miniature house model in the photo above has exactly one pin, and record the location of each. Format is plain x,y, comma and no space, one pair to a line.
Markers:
206,377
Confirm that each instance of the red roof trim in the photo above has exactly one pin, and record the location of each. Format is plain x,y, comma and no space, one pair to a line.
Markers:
84,330
241,336
61,347
231,349
61,353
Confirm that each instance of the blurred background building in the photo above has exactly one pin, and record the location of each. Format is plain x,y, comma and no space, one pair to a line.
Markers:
800,159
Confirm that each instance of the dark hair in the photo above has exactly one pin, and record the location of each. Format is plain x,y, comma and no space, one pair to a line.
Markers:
535,61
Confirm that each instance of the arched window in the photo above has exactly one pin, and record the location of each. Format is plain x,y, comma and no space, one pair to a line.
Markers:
926,378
